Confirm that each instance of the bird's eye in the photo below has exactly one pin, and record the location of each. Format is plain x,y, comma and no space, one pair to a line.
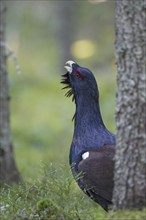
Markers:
79,75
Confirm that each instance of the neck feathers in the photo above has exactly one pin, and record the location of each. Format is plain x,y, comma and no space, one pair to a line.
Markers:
88,113
89,131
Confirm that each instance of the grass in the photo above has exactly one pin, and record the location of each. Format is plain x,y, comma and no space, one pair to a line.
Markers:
54,195
128,215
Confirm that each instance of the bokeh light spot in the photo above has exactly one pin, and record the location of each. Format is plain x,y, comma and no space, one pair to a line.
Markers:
83,49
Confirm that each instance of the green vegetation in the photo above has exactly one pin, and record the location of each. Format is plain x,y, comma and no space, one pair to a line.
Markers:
52,196
128,215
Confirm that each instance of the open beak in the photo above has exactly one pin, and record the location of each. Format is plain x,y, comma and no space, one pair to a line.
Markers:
68,66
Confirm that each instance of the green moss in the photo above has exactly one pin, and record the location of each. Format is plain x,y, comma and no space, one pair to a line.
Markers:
48,209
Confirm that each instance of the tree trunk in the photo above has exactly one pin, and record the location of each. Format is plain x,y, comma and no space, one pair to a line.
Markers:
64,15
130,166
65,29
8,170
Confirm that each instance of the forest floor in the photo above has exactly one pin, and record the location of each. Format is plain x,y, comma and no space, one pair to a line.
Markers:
54,195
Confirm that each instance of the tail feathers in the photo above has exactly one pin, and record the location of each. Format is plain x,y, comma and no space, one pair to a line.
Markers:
100,200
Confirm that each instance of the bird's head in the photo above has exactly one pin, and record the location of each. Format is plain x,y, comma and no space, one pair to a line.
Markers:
80,80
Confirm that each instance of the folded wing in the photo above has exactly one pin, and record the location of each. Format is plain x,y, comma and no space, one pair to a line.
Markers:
98,172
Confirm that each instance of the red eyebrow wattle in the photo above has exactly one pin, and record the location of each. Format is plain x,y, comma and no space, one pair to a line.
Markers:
79,75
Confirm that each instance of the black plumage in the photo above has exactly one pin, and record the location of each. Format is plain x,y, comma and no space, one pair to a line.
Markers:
93,146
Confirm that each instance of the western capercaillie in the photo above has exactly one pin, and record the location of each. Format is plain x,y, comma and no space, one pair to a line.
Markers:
93,146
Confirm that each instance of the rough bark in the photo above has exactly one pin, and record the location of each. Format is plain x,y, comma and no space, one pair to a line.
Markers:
130,44
8,170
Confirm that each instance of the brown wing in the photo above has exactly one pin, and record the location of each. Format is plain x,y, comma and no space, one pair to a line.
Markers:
98,171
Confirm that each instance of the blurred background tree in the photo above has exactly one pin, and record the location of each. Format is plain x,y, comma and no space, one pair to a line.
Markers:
44,35
8,170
